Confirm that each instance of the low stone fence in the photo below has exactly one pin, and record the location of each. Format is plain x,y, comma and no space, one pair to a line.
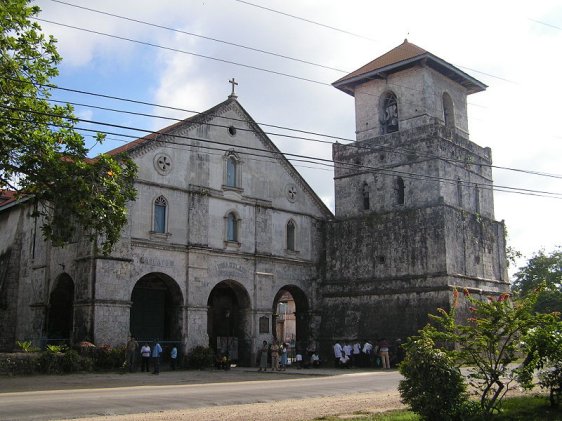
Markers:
20,363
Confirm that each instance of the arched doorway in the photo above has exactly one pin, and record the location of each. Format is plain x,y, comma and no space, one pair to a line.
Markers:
229,322
291,318
156,309
61,310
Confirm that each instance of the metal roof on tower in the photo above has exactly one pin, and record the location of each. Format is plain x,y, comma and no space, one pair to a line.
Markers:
402,57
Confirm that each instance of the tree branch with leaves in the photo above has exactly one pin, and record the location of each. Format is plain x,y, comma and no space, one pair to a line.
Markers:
42,156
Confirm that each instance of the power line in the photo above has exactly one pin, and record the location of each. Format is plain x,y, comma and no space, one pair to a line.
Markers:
545,24
179,31
307,20
379,147
356,35
223,60
177,50
277,152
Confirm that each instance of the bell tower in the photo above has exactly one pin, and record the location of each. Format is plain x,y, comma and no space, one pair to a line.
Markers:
412,145
413,200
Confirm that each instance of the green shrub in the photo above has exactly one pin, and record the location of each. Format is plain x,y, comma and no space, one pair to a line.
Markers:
433,386
50,362
108,358
57,348
70,362
200,357
26,346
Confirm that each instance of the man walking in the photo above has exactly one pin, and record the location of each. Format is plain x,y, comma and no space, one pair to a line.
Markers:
156,351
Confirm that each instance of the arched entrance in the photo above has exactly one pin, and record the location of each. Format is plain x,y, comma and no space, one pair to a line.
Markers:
291,317
156,309
229,322
61,310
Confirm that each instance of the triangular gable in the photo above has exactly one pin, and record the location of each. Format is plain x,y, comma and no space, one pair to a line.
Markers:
218,111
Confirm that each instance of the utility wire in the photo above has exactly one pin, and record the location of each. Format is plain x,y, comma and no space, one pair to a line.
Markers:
277,152
179,31
236,63
545,24
306,20
386,148
177,50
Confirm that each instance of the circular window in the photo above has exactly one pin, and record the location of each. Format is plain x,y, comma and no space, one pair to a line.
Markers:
291,192
163,163
232,131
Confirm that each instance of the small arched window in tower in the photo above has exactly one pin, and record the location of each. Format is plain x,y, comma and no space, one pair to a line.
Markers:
389,113
291,228
231,171
160,207
448,111
231,227
400,188
365,193
459,191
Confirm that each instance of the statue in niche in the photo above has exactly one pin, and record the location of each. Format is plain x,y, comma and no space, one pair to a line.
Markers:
390,114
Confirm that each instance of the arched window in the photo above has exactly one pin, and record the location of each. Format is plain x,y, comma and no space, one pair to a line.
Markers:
448,111
365,193
231,227
400,188
459,191
291,228
389,113
231,169
160,207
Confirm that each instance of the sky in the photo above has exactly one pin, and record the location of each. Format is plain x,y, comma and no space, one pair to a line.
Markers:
183,56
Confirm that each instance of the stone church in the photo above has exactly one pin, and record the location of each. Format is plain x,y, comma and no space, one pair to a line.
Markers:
224,229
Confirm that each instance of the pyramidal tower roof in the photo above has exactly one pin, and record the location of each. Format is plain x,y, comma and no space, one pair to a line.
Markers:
402,57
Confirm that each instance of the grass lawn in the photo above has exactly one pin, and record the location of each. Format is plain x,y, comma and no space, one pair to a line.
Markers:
528,408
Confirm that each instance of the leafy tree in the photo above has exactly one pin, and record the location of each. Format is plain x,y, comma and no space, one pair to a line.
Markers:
543,269
543,346
487,341
433,385
42,157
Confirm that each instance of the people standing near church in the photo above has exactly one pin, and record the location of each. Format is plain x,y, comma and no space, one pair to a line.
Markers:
348,351
145,358
274,356
356,358
156,351
383,352
337,354
132,349
366,353
284,361
262,356
173,357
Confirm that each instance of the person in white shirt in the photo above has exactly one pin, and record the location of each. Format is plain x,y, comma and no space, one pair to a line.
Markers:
344,361
367,351
145,355
337,353
356,358
347,348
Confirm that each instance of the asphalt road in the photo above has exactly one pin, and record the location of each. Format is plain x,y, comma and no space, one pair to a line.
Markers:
75,396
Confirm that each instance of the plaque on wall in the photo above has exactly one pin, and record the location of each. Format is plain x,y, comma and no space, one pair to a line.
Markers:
264,324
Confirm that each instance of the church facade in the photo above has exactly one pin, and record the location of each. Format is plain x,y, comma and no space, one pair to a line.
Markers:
224,229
